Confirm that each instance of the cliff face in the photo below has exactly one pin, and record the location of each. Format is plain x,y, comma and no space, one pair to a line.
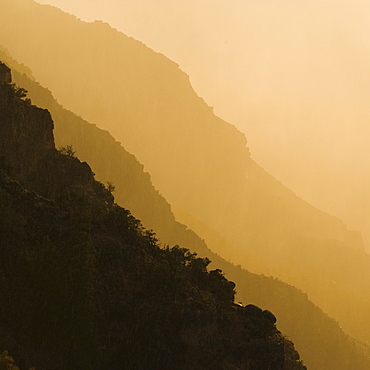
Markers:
5,74
27,131
27,147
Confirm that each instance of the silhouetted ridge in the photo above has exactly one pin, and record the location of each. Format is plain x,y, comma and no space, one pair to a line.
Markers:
320,340
85,286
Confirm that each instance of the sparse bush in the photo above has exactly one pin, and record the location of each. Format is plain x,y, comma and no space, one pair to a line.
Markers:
67,150
20,92
110,187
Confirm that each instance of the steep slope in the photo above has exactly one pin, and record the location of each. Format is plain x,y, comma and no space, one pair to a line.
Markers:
85,286
198,162
319,339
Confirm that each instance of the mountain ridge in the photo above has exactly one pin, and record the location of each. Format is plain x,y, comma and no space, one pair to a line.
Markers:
84,285
278,295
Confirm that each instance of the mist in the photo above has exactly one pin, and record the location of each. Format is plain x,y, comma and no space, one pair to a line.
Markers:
240,135
293,76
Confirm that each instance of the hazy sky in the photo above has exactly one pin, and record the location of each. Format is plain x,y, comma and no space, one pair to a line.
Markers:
293,75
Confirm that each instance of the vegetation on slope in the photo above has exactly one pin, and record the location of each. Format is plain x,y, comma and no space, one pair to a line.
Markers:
85,286
320,340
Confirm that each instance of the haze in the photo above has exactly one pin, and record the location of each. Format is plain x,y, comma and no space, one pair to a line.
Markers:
294,76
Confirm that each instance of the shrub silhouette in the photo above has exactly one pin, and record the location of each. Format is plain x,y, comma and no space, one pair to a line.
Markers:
67,150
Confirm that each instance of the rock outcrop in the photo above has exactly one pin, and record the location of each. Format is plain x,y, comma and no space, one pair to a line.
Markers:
5,74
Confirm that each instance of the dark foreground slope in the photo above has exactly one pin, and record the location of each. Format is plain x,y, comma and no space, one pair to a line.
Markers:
197,161
85,286
319,339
